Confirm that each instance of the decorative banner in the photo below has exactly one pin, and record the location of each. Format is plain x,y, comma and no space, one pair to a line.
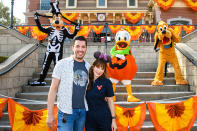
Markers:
177,29
130,117
192,4
188,28
115,28
70,16
97,29
150,28
84,31
135,31
71,28
133,17
165,4
24,119
173,117
37,34
3,101
23,29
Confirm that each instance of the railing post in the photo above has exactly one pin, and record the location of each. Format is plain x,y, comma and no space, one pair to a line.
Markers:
106,27
11,17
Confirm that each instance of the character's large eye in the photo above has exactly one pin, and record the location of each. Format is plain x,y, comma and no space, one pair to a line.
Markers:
165,27
119,38
160,28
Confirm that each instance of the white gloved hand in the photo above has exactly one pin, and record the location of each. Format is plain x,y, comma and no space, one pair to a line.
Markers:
120,56
77,26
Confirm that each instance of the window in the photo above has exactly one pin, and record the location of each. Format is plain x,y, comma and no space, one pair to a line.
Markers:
71,4
132,4
179,21
101,4
45,4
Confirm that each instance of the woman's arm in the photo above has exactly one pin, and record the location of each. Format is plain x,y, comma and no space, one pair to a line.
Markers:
112,110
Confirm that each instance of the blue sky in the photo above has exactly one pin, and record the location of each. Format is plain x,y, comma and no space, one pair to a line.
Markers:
19,8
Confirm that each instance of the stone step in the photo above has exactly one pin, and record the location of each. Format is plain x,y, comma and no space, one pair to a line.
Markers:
120,88
5,126
5,117
137,81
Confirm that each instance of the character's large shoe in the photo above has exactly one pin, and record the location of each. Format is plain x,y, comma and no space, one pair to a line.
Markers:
130,97
38,83
181,82
157,83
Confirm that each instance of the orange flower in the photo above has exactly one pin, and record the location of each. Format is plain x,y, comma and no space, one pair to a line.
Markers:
3,101
150,28
177,29
23,29
37,34
135,31
97,29
115,28
133,17
70,16
192,4
31,117
165,4
71,28
173,117
84,31
188,28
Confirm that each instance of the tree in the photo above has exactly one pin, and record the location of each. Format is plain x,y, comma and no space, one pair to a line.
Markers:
5,16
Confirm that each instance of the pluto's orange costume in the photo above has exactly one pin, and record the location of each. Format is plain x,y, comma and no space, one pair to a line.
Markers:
122,66
165,39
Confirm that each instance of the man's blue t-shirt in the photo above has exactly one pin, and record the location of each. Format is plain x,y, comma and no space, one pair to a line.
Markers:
79,85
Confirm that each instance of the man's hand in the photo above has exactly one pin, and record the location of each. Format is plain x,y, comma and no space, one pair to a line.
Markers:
51,121
120,56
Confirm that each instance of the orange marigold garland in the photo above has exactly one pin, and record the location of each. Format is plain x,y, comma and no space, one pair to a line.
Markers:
133,17
165,4
24,119
114,28
97,29
3,101
188,28
150,28
70,16
71,28
177,29
130,117
37,34
23,29
174,117
192,4
84,31
135,31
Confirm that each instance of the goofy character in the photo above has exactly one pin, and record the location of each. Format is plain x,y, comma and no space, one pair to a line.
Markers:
57,34
122,66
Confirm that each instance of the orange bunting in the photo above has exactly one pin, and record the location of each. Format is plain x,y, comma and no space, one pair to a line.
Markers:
192,4
150,28
130,117
84,31
115,28
71,28
134,31
133,17
3,101
188,28
97,29
23,29
173,117
37,34
177,29
70,16
24,119
165,4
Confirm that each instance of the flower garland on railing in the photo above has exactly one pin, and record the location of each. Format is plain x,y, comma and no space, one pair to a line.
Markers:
177,29
150,28
165,4
70,16
37,34
133,17
3,101
188,28
192,4
84,31
23,29
97,29
114,28
71,28
134,31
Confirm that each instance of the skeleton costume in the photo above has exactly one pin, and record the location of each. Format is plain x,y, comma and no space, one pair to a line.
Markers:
57,35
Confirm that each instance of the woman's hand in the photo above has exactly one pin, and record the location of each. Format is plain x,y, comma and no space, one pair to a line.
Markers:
51,121
113,125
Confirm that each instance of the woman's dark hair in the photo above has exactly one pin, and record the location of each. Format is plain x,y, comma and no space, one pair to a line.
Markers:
97,63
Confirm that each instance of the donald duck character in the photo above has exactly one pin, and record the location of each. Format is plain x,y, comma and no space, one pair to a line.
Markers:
122,67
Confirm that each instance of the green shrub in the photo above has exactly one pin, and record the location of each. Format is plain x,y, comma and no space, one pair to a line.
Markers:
3,58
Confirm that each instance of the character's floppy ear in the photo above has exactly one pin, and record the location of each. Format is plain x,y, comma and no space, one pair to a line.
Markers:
175,37
156,43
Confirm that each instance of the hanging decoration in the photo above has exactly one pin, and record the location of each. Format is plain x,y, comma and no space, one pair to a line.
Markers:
177,29
192,4
114,28
97,29
3,101
37,34
150,28
188,28
173,117
84,31
130,117
133,17
71,28
23,29
70,16
24,119
165,4
135,31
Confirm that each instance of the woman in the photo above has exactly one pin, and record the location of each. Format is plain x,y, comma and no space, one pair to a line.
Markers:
99,95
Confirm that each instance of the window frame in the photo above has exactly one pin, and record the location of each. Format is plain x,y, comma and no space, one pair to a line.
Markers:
67,4
97,4
41,2
135,6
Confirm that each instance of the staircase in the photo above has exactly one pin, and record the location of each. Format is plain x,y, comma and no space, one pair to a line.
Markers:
141,86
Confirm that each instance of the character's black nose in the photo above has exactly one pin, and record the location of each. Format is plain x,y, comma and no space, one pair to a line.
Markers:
57,22
164,32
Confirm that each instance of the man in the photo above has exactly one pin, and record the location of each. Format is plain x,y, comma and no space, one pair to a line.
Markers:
70,78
